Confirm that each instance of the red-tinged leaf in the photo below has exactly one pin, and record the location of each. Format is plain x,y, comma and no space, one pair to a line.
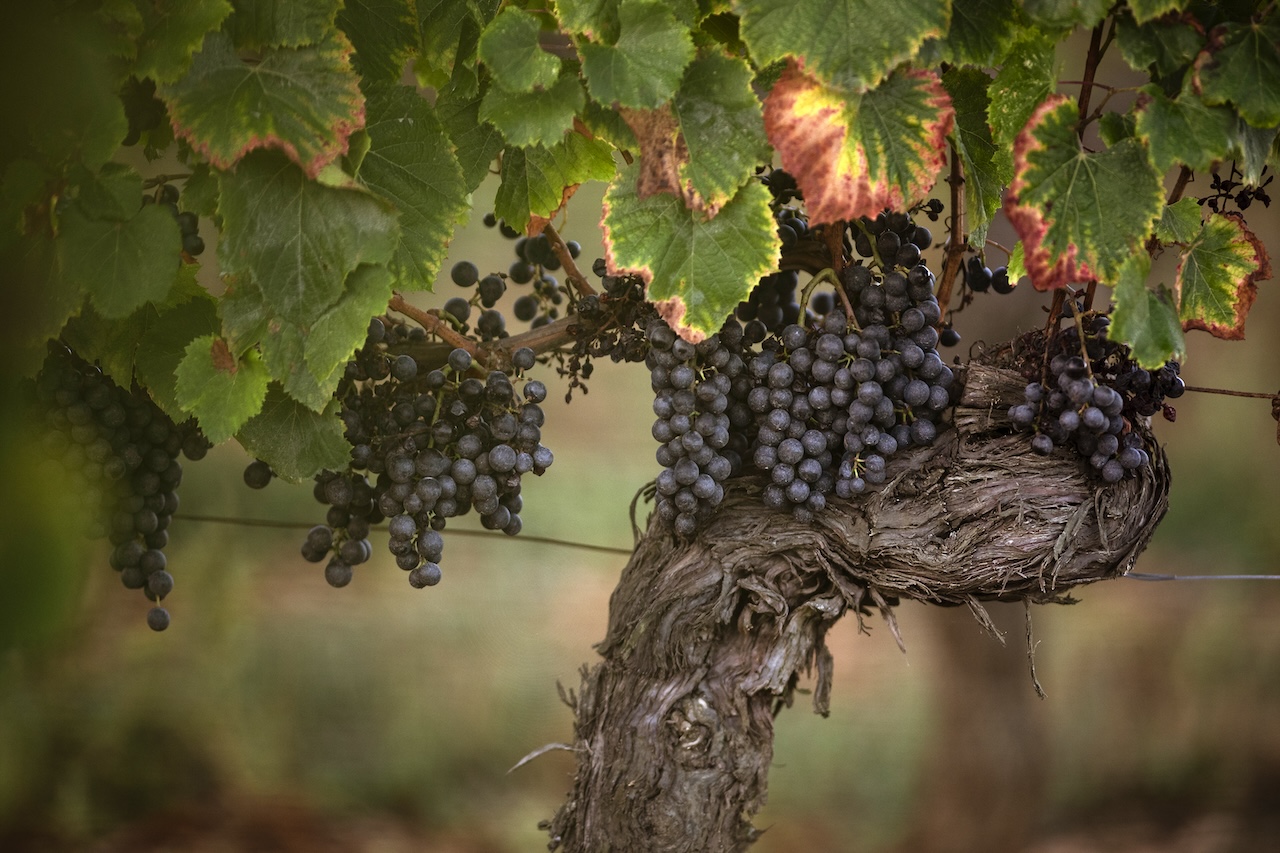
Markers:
1217,277
1079,214
855,154
303,101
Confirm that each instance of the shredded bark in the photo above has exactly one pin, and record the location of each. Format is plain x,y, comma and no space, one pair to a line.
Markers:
707,639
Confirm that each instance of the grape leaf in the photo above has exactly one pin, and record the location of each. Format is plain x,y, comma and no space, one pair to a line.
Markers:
1146,10
449,31
1245,71
259,24
1144,319
847,44
165,341
200,192
1079,214
1028,76
475,142
982,31
609,125
529,118
595,19
173,31
538,180
1252,146
1061,14
223,392
121,265
987,169
411,164
723,128
1184,130
1216,280
1179,222
509,47
383,33
296,238
296,442
644,68
341,329
1016,267
1163,47
302,101
62,102
35,302
697,269
855,154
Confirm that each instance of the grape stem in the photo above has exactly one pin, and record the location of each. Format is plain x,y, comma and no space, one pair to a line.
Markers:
571,271
1229,393
956,241
435,326
1090,68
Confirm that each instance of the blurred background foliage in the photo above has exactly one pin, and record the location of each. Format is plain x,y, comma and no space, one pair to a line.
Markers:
280,714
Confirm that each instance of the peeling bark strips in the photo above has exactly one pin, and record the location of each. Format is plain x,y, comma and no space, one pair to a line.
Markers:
707,639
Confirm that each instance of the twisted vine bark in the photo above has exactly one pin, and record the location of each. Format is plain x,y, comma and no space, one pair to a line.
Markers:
707,639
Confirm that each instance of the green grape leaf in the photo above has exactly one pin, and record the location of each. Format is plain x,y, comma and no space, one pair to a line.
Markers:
609,125
121,265
987,169
302,101
1216,280
697,269
537,181
847,44
296,238
1145,319
1184,130
200,192
449,31
723,128
62,100
1179,222
982,31
411,164
259,24
1029,76
384,34
1064,14
509,47
173,32
529,118
223,392
165,341
1017,267
595,19
341,330
1146,10
1251,147
476,142
1079,214
1245,71
296,442
644,68
1163,47
855,154
36,300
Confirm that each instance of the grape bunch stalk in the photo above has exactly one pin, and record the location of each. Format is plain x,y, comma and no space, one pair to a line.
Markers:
122,451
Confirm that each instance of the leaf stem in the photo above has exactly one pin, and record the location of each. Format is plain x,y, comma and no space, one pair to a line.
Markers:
956,240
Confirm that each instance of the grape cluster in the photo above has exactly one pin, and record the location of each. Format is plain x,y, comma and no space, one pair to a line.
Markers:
534,264
428,443
188,222
982,278
816,404
122,450
699,429
1091,393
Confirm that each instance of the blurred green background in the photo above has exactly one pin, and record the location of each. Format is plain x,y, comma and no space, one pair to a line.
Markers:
280,714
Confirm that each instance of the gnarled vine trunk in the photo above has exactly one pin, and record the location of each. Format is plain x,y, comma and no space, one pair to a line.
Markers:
707,639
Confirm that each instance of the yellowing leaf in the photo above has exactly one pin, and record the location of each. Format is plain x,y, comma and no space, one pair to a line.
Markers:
855,154
1217,274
